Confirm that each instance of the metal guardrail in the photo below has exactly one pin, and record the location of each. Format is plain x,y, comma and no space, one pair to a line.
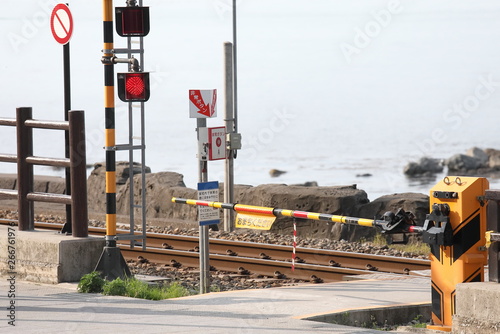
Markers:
25,160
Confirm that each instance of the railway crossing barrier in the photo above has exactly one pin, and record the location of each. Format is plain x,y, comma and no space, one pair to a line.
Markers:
399,223
462,228
456,231
25,160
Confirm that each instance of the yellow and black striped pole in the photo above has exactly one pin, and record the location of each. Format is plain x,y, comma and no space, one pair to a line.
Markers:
109,114
111,264
393,226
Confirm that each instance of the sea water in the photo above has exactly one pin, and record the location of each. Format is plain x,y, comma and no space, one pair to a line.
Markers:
327,90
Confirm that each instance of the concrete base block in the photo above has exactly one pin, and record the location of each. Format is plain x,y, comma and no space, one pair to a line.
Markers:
478,306
46,256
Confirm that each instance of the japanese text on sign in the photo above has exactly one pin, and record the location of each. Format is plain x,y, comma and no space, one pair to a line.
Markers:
256,222
208,191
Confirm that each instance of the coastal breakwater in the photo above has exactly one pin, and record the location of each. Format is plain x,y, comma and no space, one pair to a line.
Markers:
162,186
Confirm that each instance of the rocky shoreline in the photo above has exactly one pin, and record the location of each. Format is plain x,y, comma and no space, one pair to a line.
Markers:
345,200
475,162
339,200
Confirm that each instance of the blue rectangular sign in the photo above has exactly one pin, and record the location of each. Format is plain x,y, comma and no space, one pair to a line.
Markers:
208,191
208,186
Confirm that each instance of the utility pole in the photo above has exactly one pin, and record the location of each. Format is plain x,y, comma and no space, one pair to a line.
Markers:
230,125
233,139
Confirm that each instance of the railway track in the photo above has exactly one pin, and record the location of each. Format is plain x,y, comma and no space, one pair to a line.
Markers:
261,259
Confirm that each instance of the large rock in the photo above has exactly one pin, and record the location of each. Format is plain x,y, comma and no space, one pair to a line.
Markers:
8,181
462,163
425,166
41,183
416,203
49,184
476,162
339,200
160,188
123,171
479,154
493,158
96,186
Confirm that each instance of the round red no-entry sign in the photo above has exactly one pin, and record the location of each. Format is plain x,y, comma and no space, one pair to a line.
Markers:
61,23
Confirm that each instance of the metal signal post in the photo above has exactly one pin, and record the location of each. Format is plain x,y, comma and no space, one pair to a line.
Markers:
111,265
61,25
203,229
133,86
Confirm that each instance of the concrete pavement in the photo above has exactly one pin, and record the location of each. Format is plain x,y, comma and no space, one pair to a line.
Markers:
44,308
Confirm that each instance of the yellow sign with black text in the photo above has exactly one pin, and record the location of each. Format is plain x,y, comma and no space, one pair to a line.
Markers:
256,222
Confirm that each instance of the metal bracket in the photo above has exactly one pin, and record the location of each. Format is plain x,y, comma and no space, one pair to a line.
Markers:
397,223
133,63
437,228
482,200
107,60
491,237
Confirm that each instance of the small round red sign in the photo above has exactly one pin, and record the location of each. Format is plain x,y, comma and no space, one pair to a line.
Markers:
61,23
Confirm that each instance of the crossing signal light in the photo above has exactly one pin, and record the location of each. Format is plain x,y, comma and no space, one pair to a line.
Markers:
132,21
133,86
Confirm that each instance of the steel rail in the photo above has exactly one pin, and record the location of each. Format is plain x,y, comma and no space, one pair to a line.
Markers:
384,263
277,253
234,263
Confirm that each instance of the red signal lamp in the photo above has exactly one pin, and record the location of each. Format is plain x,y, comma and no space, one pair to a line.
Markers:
132,21
133,86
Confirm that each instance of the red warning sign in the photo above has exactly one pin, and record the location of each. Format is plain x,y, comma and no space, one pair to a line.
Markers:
203,103
216,143
61,23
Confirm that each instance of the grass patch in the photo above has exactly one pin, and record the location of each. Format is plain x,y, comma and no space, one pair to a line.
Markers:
415,247
91,283
130,287
116,287
418,322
